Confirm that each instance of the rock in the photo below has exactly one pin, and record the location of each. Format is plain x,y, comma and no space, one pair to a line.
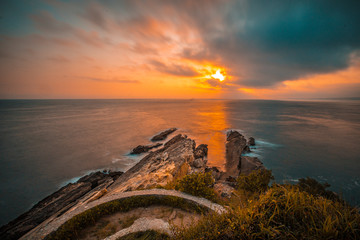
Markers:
142,149
249,164
246,149
223,190
198,163
201,151
215,172
158,167
161,136
251,141
56,203
235,146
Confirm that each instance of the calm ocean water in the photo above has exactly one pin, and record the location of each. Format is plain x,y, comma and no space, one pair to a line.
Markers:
45,144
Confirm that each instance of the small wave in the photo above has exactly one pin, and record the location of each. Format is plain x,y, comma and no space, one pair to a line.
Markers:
251,154
267,144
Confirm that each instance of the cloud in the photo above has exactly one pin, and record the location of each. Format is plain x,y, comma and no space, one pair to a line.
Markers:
46,22
94,12
109,80
273,41
174,69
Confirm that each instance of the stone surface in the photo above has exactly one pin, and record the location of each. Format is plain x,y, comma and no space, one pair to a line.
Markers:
251,141
145,148
56,203
215,172
224,190
235,144
198,163
158,167
141,225
201,151
249,164
163,135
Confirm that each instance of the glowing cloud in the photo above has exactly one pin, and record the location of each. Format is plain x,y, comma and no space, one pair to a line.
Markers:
219,76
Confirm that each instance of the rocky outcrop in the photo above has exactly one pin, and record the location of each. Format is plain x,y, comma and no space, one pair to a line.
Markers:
215,172
163,135
251,141
235,145
158,167
177,157
142,149
201,151
56,203
249,164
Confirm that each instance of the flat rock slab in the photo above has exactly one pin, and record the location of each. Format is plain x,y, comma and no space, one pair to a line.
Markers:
141,225
163,135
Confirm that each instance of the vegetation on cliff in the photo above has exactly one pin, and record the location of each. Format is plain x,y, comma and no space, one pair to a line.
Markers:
279,212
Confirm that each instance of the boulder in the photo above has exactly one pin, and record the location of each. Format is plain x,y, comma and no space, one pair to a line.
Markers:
198,163
249,164
251,141
201,151
142,149
224,190
163,135
215,172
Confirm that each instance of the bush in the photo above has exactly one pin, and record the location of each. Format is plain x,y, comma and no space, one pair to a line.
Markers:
256,182
198,184
283,212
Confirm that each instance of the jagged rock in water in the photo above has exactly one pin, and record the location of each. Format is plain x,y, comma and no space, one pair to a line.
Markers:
158,167
201,151
251,141
235,144
249,164
162,136
142,149
56,203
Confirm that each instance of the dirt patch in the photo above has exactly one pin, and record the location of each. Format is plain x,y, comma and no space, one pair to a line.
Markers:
109,225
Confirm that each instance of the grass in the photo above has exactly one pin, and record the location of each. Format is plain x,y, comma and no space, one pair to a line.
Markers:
282,212
72,228
146,235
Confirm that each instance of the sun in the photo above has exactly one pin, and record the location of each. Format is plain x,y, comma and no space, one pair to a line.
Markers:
219,76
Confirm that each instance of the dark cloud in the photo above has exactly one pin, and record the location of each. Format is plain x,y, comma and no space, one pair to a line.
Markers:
274,41
174,69
96,14
46,22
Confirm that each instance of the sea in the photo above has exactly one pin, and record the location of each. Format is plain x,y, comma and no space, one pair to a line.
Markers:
46,144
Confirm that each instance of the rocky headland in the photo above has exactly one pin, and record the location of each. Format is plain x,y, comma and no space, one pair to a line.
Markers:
177,157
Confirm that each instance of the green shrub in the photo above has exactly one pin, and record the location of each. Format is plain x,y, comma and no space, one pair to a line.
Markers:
198,184
283,212
256,182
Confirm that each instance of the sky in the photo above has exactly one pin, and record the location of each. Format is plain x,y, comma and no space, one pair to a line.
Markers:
178,49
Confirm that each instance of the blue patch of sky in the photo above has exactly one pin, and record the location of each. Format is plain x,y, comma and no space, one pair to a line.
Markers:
14,16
